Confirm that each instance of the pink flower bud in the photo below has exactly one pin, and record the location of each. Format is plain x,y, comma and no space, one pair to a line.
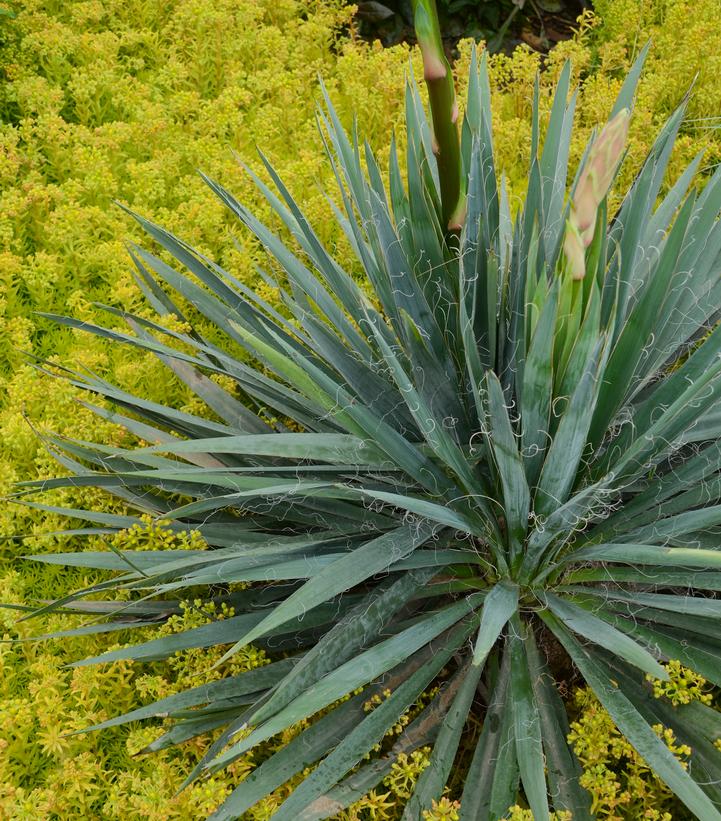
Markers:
575,251
592,188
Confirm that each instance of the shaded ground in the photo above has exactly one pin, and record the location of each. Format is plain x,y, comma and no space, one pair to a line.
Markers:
503,24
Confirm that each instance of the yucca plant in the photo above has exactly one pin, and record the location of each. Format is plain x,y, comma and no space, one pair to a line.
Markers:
487,459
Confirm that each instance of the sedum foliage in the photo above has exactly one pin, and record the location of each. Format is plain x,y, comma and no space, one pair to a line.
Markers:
170,102
488,467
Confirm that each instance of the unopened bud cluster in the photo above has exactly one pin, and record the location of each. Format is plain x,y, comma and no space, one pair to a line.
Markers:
593,185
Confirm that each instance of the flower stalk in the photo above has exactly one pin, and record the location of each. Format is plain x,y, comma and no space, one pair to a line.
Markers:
444,113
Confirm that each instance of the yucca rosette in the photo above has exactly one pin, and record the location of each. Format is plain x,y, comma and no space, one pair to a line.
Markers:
437,507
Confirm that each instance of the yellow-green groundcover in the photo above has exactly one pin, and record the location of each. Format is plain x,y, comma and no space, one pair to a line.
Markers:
106,100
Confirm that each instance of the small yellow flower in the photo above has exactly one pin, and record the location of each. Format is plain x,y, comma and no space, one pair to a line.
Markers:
683,686
405,772
443,810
